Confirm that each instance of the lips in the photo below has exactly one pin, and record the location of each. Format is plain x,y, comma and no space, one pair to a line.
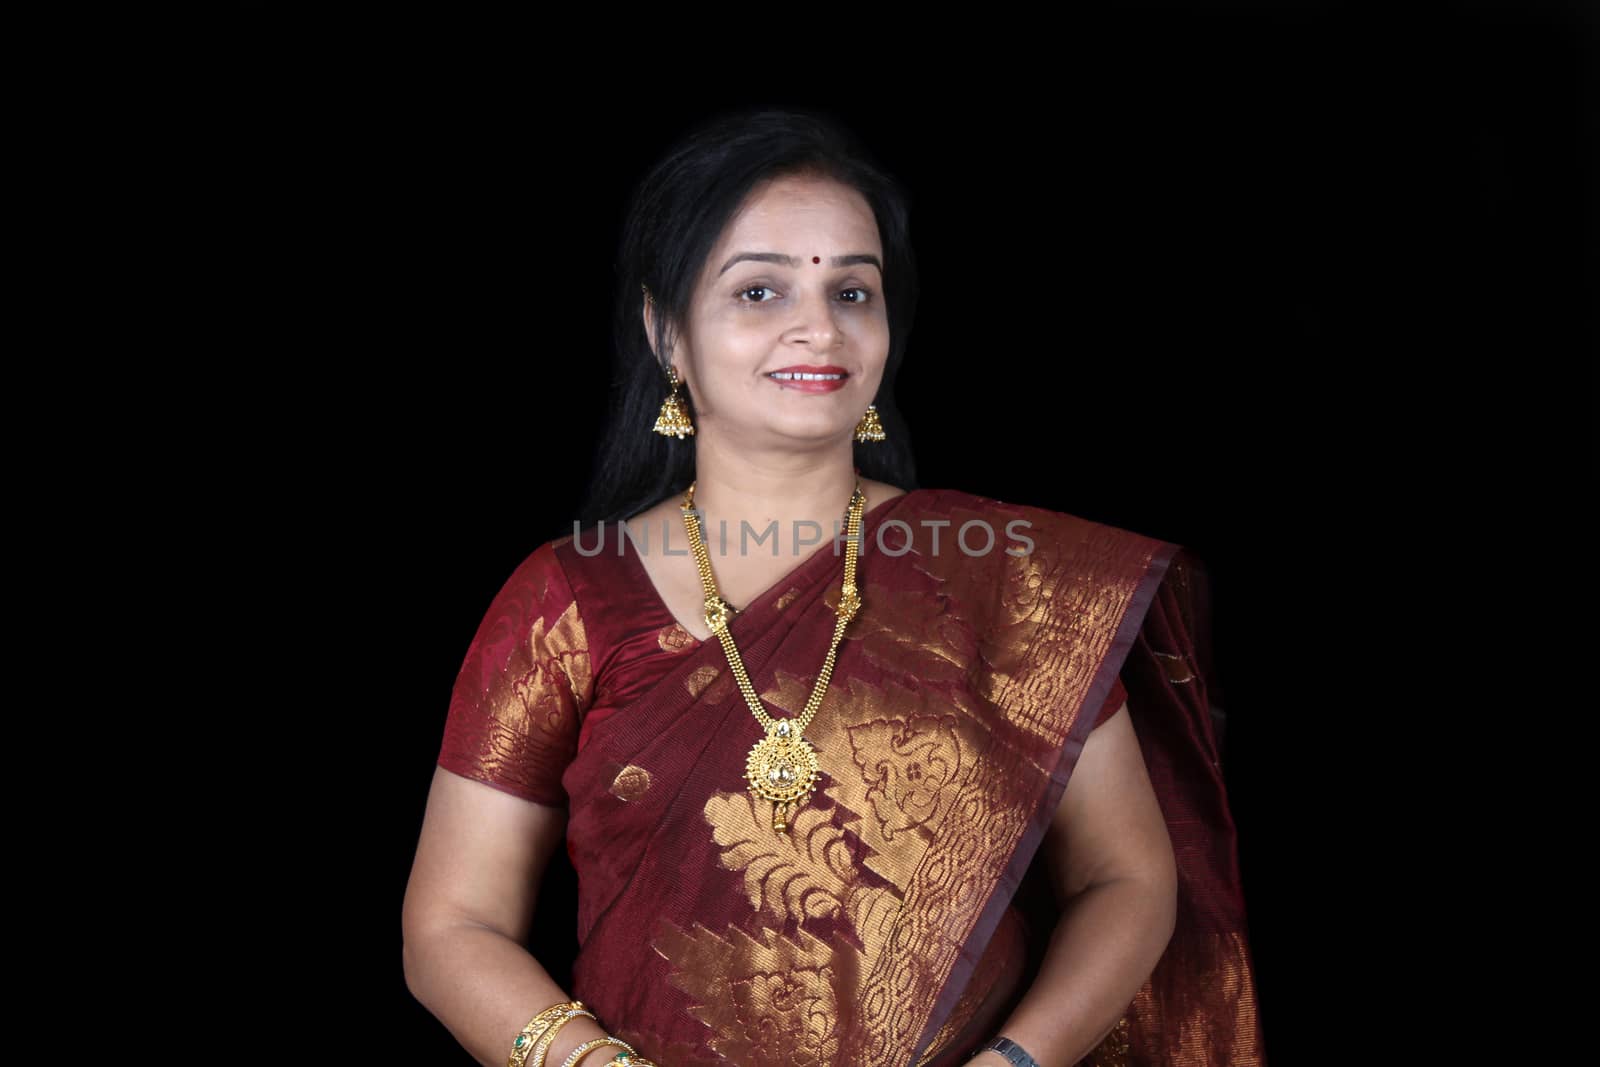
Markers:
806,368
805,378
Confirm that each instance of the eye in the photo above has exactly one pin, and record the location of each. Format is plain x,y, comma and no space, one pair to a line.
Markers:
866,295
754,289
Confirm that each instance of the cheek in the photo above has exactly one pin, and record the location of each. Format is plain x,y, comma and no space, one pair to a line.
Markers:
729,365
737,348
875,340
874,331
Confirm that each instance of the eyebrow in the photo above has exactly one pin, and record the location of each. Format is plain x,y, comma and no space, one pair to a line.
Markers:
794,261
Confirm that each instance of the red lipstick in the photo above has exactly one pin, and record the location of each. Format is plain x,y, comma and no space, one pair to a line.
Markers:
809,379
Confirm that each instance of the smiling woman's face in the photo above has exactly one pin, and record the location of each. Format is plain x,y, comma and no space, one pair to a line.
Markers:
815,303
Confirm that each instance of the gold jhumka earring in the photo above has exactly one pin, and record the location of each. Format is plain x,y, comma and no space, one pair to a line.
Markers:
673,421
674,418
870,428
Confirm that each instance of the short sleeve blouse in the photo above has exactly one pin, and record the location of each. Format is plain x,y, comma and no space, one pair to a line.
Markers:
518,699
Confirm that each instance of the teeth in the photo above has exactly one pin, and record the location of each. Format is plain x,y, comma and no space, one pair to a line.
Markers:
784,376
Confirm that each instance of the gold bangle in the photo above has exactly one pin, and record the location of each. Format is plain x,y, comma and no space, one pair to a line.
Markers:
538,1026
593,1043
542,1049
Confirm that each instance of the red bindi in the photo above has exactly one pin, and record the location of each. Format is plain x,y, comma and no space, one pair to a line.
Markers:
816,259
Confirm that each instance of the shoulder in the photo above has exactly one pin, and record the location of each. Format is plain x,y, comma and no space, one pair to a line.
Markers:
540,605
535,596
541,576
954,501
1024,529
534,600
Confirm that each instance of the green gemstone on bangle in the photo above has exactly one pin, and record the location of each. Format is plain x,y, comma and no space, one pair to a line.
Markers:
522,1039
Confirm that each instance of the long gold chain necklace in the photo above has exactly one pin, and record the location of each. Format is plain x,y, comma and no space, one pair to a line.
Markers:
782,767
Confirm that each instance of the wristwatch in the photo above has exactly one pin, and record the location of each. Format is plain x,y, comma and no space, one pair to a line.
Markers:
1011,1051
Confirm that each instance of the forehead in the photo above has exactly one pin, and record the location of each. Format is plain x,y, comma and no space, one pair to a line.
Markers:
804,217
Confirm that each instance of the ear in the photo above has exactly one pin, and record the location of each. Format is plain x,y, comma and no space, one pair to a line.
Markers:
647,315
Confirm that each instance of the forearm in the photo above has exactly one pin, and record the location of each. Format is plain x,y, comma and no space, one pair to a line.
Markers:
1101,952
484,987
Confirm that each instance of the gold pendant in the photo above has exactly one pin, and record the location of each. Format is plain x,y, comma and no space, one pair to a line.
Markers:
782,768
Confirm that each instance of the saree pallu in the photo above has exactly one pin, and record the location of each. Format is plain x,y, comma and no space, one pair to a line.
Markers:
886,928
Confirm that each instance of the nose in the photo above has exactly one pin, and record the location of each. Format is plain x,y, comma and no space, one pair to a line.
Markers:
817,322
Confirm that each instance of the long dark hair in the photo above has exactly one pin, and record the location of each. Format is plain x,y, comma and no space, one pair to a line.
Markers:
675,217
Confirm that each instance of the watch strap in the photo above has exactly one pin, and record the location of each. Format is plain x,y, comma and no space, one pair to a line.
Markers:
1012,1051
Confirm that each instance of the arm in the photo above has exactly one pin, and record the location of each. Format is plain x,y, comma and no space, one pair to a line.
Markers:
467,913
1110,860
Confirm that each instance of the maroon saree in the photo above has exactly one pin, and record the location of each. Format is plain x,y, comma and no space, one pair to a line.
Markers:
885,928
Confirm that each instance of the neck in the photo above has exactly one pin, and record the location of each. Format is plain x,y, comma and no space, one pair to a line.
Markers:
786,492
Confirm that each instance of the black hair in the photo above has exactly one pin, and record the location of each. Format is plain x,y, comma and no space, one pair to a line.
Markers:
675,217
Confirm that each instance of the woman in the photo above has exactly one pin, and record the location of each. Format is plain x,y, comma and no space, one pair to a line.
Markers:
927,778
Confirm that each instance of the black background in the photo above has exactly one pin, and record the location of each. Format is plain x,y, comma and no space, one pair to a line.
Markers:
1303,287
